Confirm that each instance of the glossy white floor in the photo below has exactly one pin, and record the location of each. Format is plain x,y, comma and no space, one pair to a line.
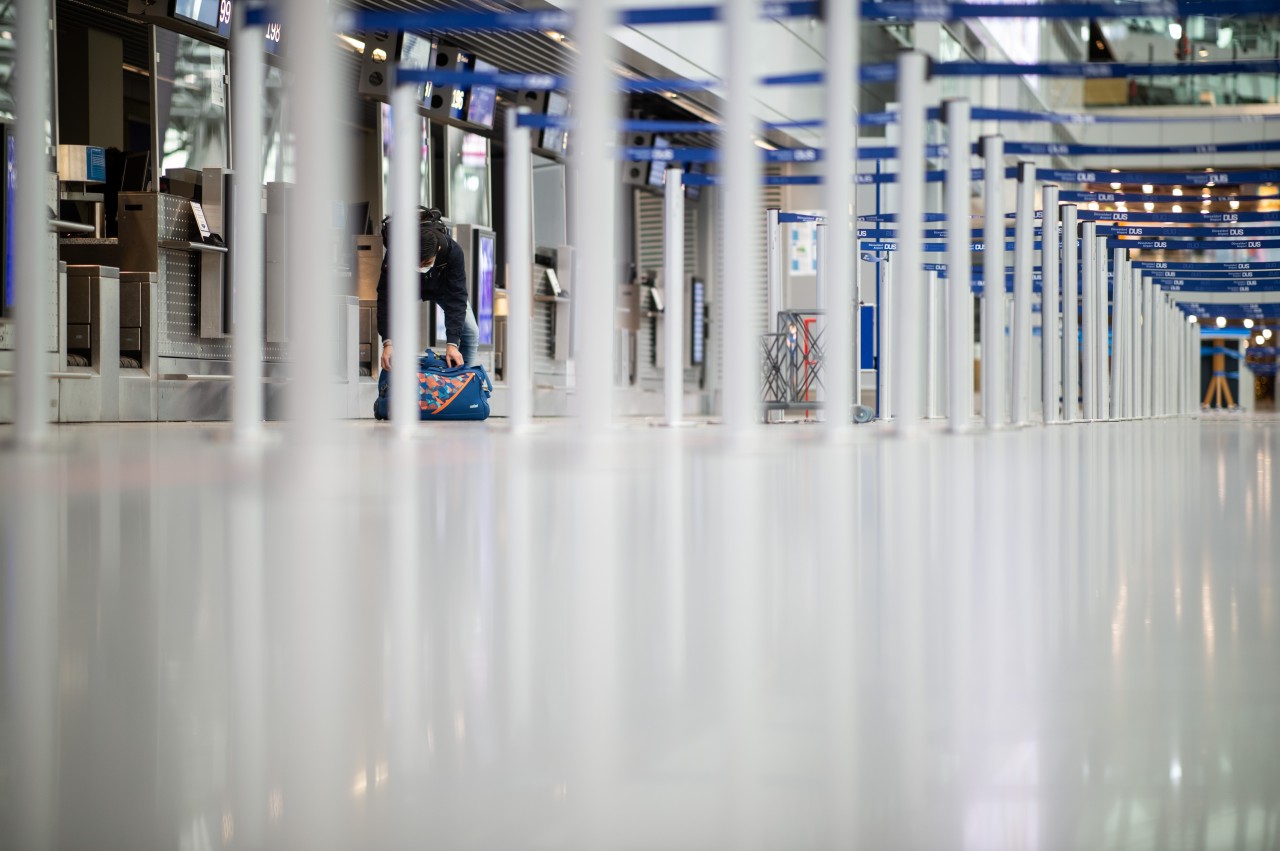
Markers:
1035,639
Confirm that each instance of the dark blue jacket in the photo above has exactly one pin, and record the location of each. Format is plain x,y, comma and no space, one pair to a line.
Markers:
445,284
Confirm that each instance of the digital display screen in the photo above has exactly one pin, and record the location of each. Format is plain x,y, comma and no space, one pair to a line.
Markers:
486,267
275,40
555,139
418,52
213,15
10,186
482,99
658,168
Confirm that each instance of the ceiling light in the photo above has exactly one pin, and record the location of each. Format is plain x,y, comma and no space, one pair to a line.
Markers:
1115,186
1248,323
1203,52
1266,332
1177,208
1205,202
1233,204
1147,189
355,44
1191,320
1259,340
1175,30
1093,205
768,146
1148,206
1221,322
1177,190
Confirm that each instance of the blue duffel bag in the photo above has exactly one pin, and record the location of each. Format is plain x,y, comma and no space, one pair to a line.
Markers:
444,392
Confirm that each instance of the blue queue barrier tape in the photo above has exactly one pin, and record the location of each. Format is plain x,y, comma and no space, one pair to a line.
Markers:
1188,233
1211,275
980,113
1193,244
1203,287
1158,178
1046,149
893,217
1187,218
931,10
1074,197
931,247
1094,70
1208,266
863,179
794,218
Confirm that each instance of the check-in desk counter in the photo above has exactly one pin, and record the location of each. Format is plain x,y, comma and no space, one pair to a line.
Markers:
91,390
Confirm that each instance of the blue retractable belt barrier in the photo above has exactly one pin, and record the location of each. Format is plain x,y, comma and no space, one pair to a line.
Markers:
1189,218
1193,244
1186,233
1070,196
794,218
1158,178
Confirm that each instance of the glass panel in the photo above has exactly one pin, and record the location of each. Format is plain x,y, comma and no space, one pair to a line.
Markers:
386,129
191,102
468,178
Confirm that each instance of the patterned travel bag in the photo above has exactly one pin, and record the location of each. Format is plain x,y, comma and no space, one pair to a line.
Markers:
444,392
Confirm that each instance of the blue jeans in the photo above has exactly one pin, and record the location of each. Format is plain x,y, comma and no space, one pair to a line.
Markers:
470,338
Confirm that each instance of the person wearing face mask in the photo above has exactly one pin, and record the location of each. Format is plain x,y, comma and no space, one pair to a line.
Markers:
443,279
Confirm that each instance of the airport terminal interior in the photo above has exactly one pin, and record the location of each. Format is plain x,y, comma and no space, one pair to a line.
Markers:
810,425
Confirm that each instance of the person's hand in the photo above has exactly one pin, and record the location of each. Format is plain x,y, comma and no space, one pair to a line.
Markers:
452,356
386,355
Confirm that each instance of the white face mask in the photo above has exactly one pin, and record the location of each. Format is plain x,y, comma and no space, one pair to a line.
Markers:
427,267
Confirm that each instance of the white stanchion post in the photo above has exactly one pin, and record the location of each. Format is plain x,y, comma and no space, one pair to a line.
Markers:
518,365
405,249
673,272
1120,333
32,263
820,299
313,284
1134,283
1147,305
935,357
741,194
993,295
1089,319
822,326
909,289
1070,365
247,345
839,305
1049,277
773,281
593,213
1102,355
1023,257
959,276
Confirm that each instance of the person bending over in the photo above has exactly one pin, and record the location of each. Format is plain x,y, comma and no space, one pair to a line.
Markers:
442,279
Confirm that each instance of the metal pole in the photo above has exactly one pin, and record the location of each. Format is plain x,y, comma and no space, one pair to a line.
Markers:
1023,248
1089,319
741,195
1120,333
959,275
247,336
35,276
909,289
518,367
1101,359
840,361
1070,314
773,282
593,214
405,249
673,321
1049,277
1148,329
936,357
313,282
993,298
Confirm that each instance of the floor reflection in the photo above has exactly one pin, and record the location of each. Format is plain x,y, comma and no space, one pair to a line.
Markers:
1045,638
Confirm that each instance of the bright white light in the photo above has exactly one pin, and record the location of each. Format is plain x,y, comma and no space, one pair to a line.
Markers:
1148,206
1233,204
1221,322
1084,32
1259,340
1248,323
1191,320
1175,767
1177,190
1205,202
1224,37
1115,186
1175,30
1177,208
1266,332
1093,205
1147,188
1205,193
